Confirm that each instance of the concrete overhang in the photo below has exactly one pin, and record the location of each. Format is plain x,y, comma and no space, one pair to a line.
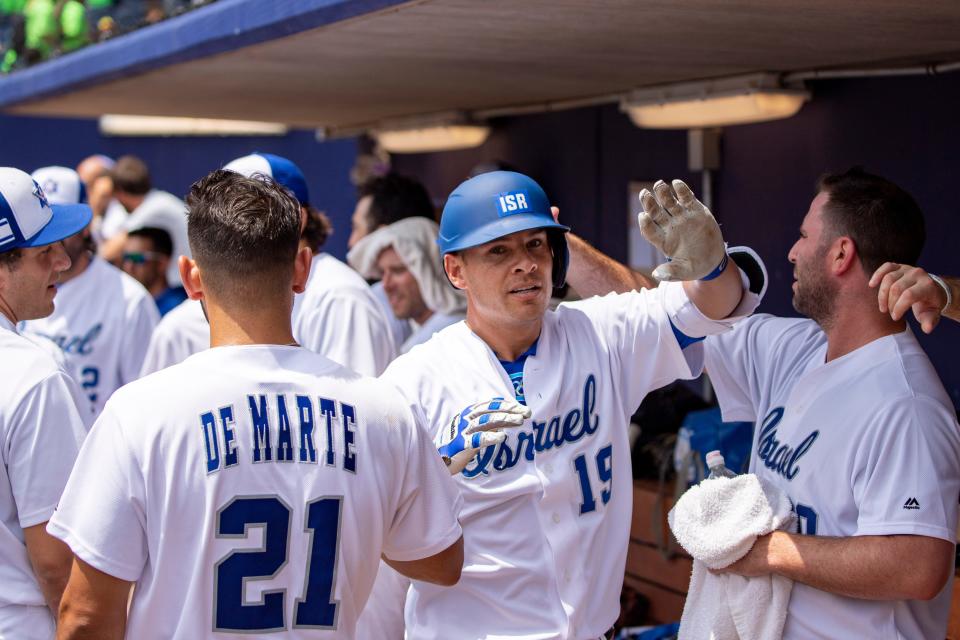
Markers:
355,63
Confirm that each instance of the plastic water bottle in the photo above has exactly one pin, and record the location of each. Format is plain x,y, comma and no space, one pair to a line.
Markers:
717,468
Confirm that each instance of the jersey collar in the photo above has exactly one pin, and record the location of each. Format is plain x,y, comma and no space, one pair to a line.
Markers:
6,324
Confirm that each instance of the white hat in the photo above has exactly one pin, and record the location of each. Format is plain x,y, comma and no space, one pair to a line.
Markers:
283,171
62,185
27,219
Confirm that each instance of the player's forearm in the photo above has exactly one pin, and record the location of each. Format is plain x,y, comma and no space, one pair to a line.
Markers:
866,567
76,626
50,560
592,273
443,568
953,311
94,605
717,298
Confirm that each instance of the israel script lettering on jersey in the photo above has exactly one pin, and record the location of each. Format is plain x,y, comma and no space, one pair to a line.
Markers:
78,345
777,456
555,432
280,429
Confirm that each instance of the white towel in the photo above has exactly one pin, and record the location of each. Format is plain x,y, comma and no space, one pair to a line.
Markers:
415,241
717,523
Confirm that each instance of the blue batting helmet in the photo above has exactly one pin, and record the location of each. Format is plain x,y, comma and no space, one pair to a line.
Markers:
496,204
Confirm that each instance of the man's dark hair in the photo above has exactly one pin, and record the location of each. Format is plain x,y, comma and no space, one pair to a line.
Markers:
883,220
317,229
10,259
131,175
395,197
244,233
159,238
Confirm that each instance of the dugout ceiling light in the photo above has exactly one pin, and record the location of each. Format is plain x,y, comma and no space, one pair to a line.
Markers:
714,103
445,132
150,126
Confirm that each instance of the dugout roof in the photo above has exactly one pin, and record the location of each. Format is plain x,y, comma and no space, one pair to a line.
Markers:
354,63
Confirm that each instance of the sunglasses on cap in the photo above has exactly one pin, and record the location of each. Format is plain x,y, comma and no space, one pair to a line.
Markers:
141,257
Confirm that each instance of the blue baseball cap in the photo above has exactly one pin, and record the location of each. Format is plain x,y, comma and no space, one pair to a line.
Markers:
27,219
496,204
490,206
283,171
61,185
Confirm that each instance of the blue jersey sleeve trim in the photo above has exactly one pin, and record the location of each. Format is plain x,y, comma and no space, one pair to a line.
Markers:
682,338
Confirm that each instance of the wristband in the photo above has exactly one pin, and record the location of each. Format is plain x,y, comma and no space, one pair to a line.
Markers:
719,270
946,289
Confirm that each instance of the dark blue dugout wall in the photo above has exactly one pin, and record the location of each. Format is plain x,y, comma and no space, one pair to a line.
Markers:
906,129
175,163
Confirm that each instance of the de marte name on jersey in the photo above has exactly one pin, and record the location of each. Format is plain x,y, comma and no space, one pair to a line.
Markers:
278,428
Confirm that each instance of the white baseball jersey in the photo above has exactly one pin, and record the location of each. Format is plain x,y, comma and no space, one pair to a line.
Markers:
181,333
547,513
252,490
866,444
102,320
423,332
41,432
80,399
165,211
382,618
338,317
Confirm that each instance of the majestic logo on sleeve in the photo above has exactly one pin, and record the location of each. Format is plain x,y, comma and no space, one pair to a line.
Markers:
778,456
554,432
912,504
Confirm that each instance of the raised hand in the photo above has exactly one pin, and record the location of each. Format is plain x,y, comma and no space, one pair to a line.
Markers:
684,230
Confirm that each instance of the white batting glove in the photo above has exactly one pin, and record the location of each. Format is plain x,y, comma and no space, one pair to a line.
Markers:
476,427
678,224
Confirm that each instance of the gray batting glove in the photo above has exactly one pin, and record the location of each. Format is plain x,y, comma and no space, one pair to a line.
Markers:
684,230
478,426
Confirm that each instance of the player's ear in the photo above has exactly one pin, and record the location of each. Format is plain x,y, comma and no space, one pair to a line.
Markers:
190,275
301,269
453,265
843,254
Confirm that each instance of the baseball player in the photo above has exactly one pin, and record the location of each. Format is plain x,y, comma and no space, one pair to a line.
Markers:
144,207
405,259
853,424
252,488
901,287
383,200
337,315
547,511
40,427
104,318
181,333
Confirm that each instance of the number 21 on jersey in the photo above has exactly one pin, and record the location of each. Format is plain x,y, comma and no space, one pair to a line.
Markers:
315,608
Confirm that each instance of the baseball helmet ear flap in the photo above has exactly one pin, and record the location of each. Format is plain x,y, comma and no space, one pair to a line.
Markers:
561,256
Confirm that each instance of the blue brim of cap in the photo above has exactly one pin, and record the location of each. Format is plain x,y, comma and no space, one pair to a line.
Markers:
503,227
67,220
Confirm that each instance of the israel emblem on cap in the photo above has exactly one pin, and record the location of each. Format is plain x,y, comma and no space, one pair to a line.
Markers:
40,195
